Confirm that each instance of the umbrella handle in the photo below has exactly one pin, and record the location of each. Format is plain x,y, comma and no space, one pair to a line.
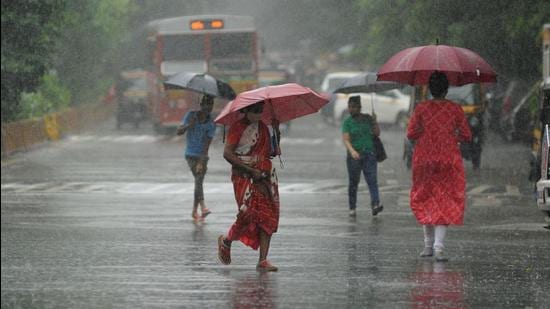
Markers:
372,104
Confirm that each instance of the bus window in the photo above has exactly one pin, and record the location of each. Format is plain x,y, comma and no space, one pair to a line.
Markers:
183,47
231,45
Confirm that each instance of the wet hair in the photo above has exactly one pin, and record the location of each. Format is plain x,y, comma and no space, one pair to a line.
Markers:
439,84
354,100
251,107
207,99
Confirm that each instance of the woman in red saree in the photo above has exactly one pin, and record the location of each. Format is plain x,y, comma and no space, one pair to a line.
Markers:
438,189
248,149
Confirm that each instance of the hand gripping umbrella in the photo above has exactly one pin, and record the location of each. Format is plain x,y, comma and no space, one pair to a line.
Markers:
201,83
414,66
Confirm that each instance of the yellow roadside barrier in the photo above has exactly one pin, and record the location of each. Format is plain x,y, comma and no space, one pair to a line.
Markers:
52,128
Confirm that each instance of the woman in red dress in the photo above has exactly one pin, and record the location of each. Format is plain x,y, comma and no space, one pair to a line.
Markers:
248,149
438,189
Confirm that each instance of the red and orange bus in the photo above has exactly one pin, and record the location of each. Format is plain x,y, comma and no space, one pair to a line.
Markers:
224,46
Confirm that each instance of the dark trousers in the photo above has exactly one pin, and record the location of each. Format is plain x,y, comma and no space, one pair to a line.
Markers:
368,165
199,177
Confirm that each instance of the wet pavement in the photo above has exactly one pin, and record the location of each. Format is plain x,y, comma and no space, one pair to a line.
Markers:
102,220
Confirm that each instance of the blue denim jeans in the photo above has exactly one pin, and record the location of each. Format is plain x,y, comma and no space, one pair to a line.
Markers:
368,165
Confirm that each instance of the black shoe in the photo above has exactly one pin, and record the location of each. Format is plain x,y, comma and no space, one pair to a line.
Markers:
376,209
440,257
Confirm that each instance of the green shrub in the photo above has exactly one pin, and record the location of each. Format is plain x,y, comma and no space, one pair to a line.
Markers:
50,96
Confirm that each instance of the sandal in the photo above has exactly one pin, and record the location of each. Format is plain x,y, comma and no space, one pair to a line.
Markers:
195,216
205,212
266,266
224,251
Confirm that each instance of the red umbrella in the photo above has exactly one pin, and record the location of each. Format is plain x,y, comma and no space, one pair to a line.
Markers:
414,65
283,103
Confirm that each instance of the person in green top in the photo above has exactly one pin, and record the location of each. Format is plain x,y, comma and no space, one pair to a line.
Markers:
358,131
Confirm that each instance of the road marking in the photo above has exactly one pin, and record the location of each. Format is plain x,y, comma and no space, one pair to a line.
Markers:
147,138
477,194
512,190
479,189
301,141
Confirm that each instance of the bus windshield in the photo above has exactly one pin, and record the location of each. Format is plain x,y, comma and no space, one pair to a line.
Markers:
183,47
231,45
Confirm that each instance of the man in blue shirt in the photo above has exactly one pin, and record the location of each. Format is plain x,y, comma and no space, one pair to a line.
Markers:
200,130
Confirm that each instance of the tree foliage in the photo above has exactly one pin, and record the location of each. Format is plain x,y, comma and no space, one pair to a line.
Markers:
89,45
88,42
50,96
505,33
29,31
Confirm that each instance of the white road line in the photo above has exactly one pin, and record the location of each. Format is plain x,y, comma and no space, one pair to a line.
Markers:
153,138
512,190
33,187
63,187
323,187
11,185
301,141
479,189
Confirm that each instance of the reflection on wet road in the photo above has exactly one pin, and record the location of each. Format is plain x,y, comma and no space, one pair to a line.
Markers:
105,222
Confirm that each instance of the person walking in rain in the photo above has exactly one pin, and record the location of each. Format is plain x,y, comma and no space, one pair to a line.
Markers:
438,182
248,149
358,131
200,130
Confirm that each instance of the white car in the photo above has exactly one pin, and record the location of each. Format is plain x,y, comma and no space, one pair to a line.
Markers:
390,106
335,79
330,83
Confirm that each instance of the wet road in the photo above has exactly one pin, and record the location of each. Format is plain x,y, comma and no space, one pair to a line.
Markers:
102,219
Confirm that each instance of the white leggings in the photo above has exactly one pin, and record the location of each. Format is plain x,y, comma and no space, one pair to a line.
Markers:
434,236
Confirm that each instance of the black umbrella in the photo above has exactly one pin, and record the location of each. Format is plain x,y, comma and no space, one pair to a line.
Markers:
201,83
365,82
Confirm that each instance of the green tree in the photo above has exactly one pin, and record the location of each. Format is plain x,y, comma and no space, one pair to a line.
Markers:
50,96
29,29
505,33
89,45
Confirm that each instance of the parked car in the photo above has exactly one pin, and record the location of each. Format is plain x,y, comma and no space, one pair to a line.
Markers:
390,106
540,164
329,84
518,124
502,99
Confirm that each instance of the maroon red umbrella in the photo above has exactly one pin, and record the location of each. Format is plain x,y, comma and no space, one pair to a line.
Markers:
414,66
283,103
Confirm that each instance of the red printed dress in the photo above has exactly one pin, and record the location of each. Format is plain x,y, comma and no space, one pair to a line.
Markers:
257,201
438,190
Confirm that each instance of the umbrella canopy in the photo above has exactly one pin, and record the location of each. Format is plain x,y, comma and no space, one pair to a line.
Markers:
283,103
414,66
366,82
201,83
